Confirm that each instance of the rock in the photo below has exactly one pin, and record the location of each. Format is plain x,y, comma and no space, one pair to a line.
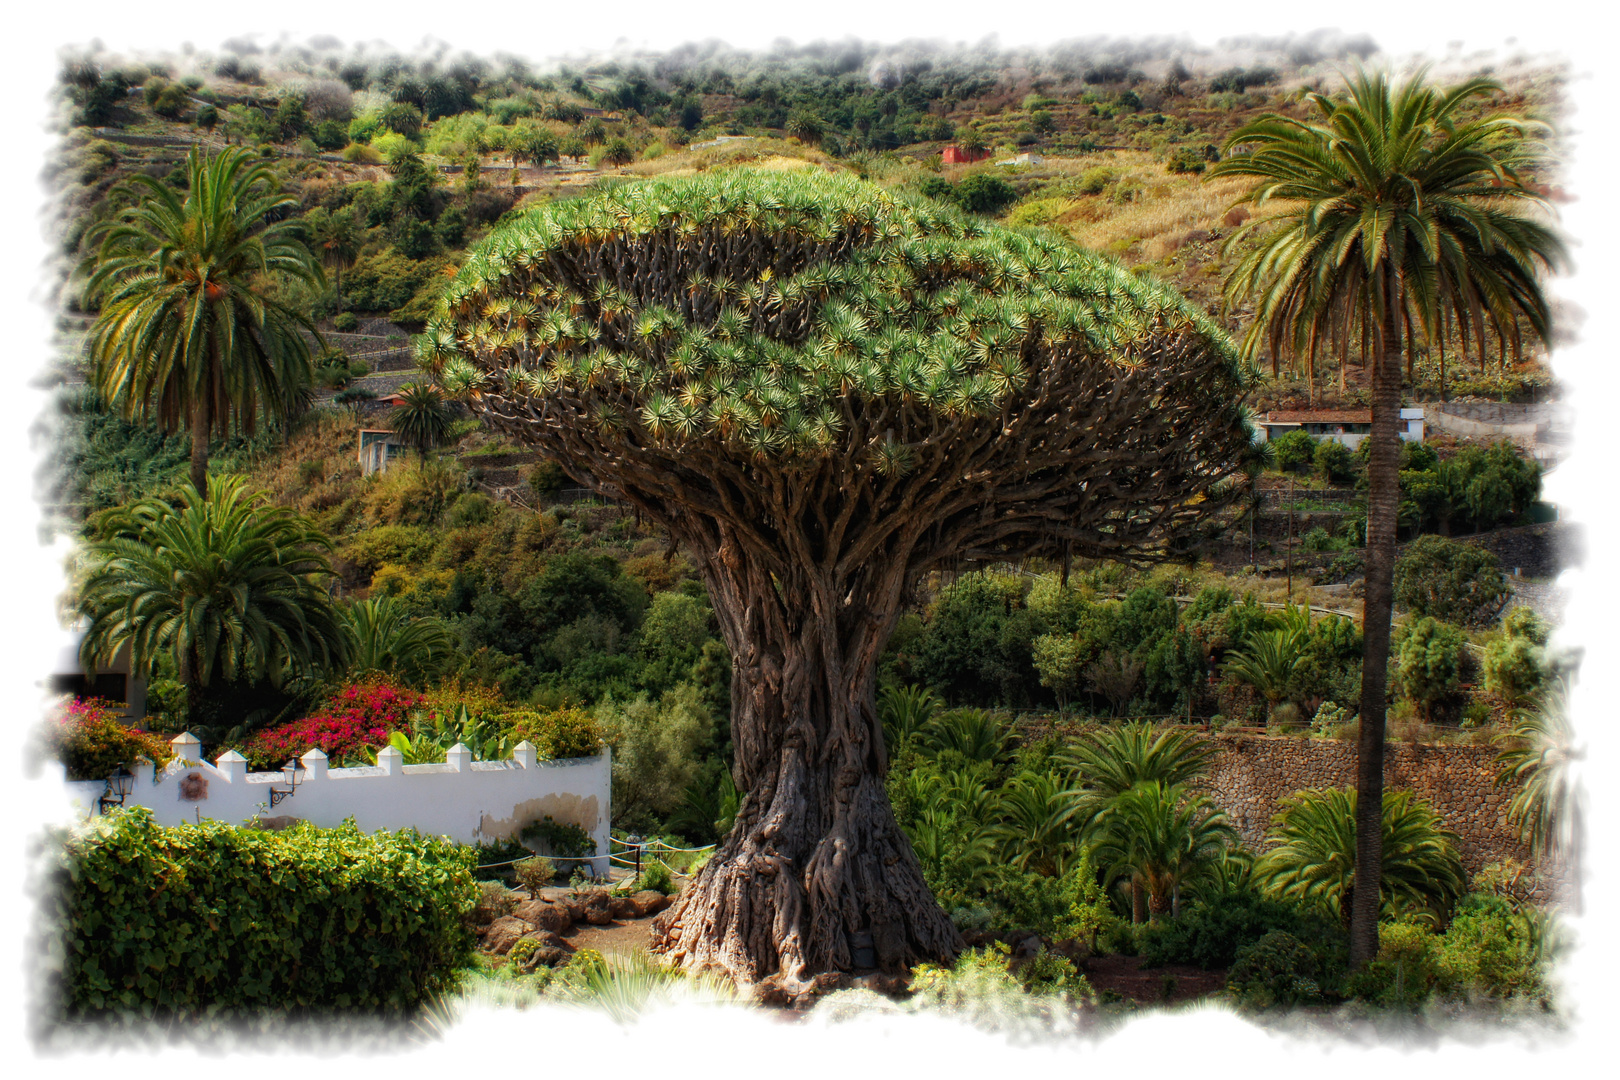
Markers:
545,915
649,902
1030,946
879,982
597,909
549,939
503,933
623,907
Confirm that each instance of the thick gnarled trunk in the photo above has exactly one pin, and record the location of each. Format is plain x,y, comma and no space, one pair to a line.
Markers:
815,875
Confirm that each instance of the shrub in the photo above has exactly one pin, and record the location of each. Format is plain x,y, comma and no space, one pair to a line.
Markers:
1431,663
357,716
1185,160
1211,934
1455,582
1493,950
346,322
1515,668
1295,451
535,874
211,920
563,839
983,193
91,741
1276,970
1334,461
656,876
560,733
357,153
1404,972
493,902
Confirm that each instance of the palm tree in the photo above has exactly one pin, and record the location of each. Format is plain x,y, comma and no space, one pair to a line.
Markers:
1033,829
226,585
1390,213
1115,759
905,712
1159,836
1314,861
1536,757
422,417
383,637
336,238
186,334
1267,662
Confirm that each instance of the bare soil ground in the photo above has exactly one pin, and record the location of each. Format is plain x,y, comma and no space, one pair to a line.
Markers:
1124,975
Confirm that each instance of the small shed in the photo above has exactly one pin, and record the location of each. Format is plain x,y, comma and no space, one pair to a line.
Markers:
377,446
1347,426
955,155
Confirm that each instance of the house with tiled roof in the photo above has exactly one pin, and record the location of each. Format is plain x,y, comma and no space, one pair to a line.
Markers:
1347,426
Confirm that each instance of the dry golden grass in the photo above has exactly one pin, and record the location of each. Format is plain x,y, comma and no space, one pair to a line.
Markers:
1163,215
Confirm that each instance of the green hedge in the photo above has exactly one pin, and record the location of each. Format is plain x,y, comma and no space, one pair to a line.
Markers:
216,920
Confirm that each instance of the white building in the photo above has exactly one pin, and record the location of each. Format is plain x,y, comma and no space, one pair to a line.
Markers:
1347,426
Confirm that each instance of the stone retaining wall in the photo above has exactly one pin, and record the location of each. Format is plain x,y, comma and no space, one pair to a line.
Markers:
1252,774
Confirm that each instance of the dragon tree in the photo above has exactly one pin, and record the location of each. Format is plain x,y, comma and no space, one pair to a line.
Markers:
825,391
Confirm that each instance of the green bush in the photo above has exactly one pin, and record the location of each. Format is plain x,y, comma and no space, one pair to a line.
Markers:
1455,582
1404,972
1295,451
346,322
563,839
1515,668
1185,160
1276,970
1210,934
1334,461
535,874
983,193
1431,662
215,920
385,281
656,876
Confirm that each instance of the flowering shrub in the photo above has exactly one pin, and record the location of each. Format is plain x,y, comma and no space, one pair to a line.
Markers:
360,715
90,739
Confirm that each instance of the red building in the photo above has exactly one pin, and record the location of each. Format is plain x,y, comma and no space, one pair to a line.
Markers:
955,155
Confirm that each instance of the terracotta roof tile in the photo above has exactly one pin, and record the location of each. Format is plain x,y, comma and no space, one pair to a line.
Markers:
1320,416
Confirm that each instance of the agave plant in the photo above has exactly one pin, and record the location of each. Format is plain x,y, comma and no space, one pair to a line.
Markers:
1314,857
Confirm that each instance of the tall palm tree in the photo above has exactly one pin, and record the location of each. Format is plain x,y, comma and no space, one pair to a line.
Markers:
1267,662
1160,836
187,334
1314,860
226,585
335,237
1389,212
421,418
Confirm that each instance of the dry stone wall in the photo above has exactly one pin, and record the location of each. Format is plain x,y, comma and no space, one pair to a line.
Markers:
1252,774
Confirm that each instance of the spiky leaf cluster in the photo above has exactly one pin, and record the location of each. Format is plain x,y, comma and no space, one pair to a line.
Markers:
787,319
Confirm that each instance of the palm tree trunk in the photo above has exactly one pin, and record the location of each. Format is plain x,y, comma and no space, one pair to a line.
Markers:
1383,494
201,421
1139,904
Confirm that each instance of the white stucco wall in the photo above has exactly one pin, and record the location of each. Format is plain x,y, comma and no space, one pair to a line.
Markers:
465,800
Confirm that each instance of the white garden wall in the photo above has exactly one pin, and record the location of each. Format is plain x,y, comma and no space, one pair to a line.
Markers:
465,800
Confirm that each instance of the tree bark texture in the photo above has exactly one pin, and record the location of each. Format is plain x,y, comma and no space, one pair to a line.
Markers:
201,431
1383,495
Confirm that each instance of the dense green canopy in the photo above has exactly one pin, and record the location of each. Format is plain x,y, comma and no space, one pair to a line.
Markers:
782,318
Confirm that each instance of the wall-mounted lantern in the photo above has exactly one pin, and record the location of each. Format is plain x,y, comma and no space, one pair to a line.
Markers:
293,773
120,782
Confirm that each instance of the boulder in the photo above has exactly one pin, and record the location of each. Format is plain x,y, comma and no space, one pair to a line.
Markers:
503,933
648,902
622,907
545,915
597,909
545,956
